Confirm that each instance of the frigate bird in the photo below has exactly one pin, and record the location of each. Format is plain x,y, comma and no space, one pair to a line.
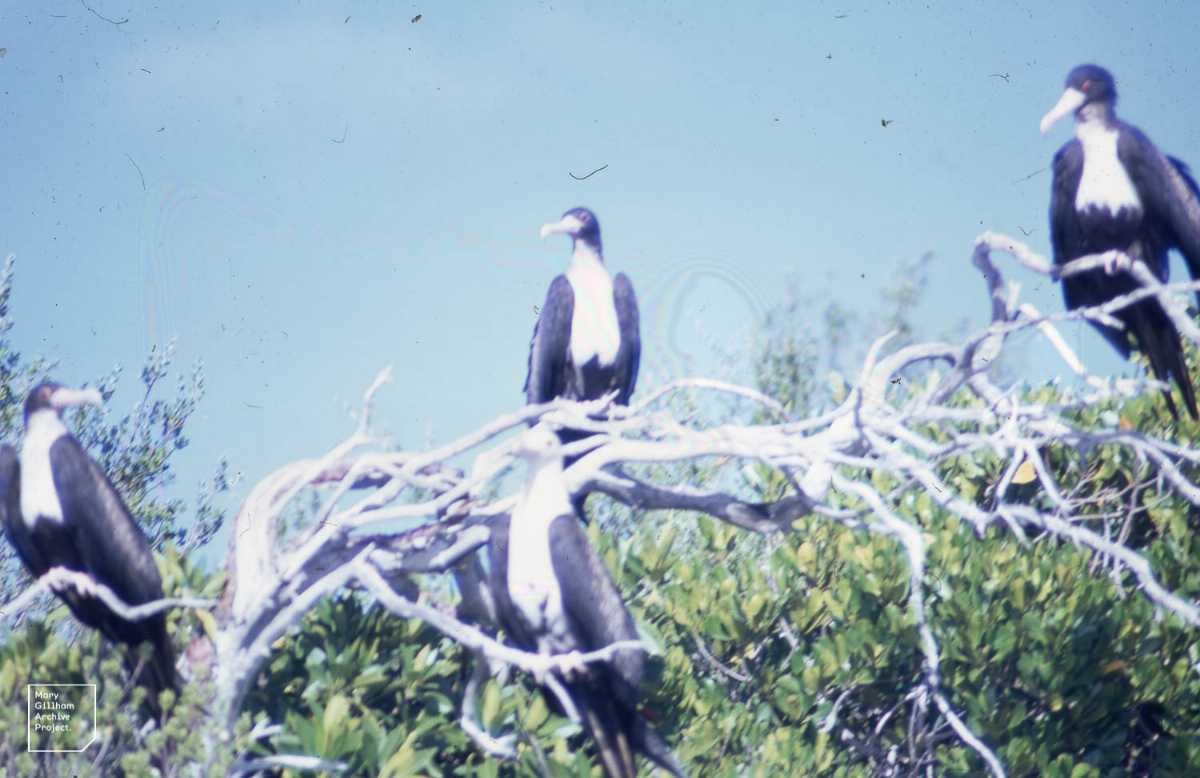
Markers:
60,510
586,343
554,596
1114,190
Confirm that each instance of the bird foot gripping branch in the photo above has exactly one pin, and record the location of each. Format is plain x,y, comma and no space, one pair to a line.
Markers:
1116,262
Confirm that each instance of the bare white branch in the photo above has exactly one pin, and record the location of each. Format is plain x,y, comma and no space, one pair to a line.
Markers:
58,578
498,747
711,385
883,426
474,639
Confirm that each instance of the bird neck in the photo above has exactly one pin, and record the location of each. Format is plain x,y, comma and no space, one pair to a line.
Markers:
586,253
545,496
42,428
1100,114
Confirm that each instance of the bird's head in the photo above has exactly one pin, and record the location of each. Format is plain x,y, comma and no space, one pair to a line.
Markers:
580,224
1086,85
537,444
56,397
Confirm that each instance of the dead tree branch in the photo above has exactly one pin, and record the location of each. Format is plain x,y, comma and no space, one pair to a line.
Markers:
58,578
880,426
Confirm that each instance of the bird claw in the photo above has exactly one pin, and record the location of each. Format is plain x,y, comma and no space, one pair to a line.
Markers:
1116,262
572,663
83,586
541,669
86,588
567,664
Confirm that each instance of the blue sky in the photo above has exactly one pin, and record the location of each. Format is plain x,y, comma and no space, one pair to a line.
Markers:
303,193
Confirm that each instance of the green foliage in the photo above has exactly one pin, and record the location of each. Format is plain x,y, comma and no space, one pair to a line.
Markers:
355,685
37,652
47,646
798,654
788,655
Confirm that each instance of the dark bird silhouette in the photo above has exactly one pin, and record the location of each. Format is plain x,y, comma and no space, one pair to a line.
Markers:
1113,189
554,596
60,510
586,343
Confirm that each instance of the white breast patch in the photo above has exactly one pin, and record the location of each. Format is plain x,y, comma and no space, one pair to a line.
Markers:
39,499
1104,182
595,331
532,584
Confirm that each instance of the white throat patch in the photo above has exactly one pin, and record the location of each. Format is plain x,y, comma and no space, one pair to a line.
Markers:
1104,182
38,496
595,331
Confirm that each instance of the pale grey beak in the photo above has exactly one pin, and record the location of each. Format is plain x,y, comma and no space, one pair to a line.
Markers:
71,398
1069,103
536,442
568,225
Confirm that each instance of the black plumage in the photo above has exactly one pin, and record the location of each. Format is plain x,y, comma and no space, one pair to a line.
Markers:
593,616
551,371
94,533
554,368
1136,200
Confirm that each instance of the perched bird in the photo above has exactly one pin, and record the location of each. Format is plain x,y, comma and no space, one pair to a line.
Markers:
554,596
586,343
1113,189
60,510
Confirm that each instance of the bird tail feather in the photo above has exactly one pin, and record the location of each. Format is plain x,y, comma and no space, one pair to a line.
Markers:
157,674
651,745
616,756
1158,338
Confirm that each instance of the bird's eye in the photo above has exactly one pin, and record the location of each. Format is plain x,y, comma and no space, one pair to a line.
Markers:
1086,84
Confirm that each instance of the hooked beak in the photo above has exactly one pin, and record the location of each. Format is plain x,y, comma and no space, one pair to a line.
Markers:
1069,103
72,398
568,225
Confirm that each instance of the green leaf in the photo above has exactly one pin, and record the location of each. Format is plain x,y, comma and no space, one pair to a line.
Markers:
490,712
336,713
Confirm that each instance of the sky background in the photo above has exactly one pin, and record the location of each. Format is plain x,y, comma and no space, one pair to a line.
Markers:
303,193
